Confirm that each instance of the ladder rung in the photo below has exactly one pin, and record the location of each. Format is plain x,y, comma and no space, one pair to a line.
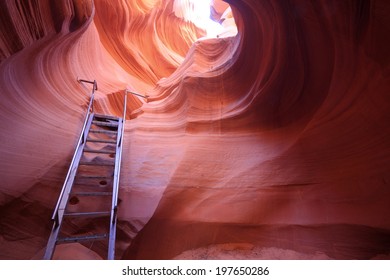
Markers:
103,131
97,163
110,124
86,150
91,193
94,177
102,141
106,117
82,238
87,214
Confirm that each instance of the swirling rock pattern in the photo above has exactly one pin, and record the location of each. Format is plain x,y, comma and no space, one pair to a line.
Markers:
272,140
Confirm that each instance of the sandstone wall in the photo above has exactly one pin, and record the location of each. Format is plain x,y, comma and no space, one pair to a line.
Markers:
276,137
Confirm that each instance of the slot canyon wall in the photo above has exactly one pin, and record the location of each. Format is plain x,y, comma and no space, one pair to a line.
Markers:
269,143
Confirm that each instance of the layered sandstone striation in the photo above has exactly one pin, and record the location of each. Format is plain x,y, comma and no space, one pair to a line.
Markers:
268,143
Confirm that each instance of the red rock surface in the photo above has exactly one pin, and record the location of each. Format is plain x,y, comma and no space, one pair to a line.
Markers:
273,143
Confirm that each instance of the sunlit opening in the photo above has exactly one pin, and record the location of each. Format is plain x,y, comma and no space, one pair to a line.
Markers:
198,12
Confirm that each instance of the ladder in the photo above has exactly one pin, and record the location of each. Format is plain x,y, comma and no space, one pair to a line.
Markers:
86,210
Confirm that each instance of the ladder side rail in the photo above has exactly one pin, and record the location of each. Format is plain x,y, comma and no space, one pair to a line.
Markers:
82,139
66,188
115,190
49,251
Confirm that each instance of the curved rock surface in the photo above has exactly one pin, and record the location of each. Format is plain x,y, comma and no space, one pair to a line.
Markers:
274,141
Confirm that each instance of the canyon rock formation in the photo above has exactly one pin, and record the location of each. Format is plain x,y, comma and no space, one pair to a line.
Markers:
270,140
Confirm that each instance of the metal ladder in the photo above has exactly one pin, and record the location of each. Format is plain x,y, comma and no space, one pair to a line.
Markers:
89,196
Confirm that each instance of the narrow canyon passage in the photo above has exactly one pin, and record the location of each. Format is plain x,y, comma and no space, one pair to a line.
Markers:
264,135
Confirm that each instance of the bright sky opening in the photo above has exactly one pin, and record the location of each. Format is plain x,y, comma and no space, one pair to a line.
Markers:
198,12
